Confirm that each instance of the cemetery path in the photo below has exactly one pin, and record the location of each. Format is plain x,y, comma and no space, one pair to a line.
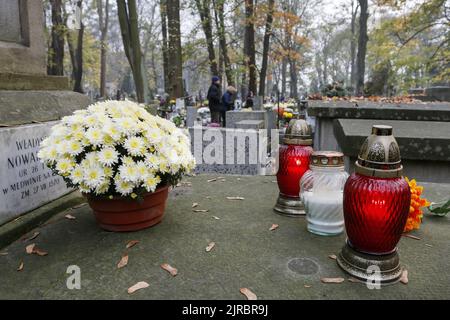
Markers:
246,253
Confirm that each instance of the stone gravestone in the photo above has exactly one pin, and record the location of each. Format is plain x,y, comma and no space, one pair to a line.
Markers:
30,104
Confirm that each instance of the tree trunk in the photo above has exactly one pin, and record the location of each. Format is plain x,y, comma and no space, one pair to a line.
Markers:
250,40
353,45
266,47
76,53
203,7
165,50
294,78
362,47
220,23
56,55
175,54
283,77
103,18
128,20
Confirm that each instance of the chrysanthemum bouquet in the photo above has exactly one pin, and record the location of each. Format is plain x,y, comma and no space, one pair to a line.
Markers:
117,149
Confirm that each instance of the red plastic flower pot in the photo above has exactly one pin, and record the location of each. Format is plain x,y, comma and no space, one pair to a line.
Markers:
375,212
294,162
124,214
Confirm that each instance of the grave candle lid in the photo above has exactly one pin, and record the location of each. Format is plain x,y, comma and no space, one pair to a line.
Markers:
298,132
380,155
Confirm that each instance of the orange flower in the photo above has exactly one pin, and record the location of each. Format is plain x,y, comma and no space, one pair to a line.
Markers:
415,213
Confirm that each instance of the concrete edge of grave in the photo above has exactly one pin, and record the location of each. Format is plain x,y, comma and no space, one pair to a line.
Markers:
15,229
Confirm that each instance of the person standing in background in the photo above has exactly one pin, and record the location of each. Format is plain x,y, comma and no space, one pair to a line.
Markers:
227,103
214,99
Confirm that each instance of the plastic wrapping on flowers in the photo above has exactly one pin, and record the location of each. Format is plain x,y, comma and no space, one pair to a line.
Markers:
117,149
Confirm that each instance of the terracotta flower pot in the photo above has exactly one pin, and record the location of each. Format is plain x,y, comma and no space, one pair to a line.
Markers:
127,214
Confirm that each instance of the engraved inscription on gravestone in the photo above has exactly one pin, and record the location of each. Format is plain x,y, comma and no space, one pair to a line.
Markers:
10,29
25,182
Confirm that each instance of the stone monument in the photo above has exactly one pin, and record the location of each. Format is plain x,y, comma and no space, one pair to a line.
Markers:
30,103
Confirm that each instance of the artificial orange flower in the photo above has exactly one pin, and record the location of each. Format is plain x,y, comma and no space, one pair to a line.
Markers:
415,213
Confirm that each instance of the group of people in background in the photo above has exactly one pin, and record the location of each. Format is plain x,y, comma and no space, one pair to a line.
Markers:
220,103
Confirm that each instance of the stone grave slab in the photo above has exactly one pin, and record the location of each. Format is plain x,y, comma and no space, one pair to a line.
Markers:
25,182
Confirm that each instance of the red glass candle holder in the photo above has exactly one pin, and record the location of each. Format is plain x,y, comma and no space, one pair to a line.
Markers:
376,205
375,212
293,162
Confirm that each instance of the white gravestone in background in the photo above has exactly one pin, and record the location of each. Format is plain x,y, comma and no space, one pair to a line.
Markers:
10,29
25,183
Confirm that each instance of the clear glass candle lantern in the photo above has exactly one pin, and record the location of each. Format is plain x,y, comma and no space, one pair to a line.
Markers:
321,190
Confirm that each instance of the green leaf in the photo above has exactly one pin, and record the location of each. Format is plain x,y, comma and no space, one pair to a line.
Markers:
440,211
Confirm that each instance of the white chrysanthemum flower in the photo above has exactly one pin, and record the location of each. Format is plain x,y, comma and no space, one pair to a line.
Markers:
112,130
126,125
135,146
152,160
151,182
123,187
74,147
154,135
108,156
84,188
128,161
142,169
64,165
108,171
94,176
129,172
102,188
77,174
95,136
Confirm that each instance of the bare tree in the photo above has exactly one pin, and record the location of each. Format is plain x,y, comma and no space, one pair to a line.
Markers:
55,64
203,7
75,44
175,54
165,44
103,21
128,20
220,24
362,47
355,7
266,47
249,45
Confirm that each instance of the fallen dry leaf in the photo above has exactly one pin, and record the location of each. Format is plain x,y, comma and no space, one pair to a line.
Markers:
332,280
30,248
200,210
138,286
404,277
212,180
69,217
428,245
235,198
238,179
3,253
248,293
410,236
20,267
210,246
217,218
307,286
208,197
132,243
123,262
332,256
273,227
173,271
195,204
40,252
34,236
79,205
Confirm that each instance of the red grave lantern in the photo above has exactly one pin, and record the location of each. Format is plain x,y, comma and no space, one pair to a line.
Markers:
294,156
376,206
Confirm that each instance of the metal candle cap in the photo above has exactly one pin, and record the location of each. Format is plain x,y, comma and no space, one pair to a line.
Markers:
327,159
298,132
380,155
